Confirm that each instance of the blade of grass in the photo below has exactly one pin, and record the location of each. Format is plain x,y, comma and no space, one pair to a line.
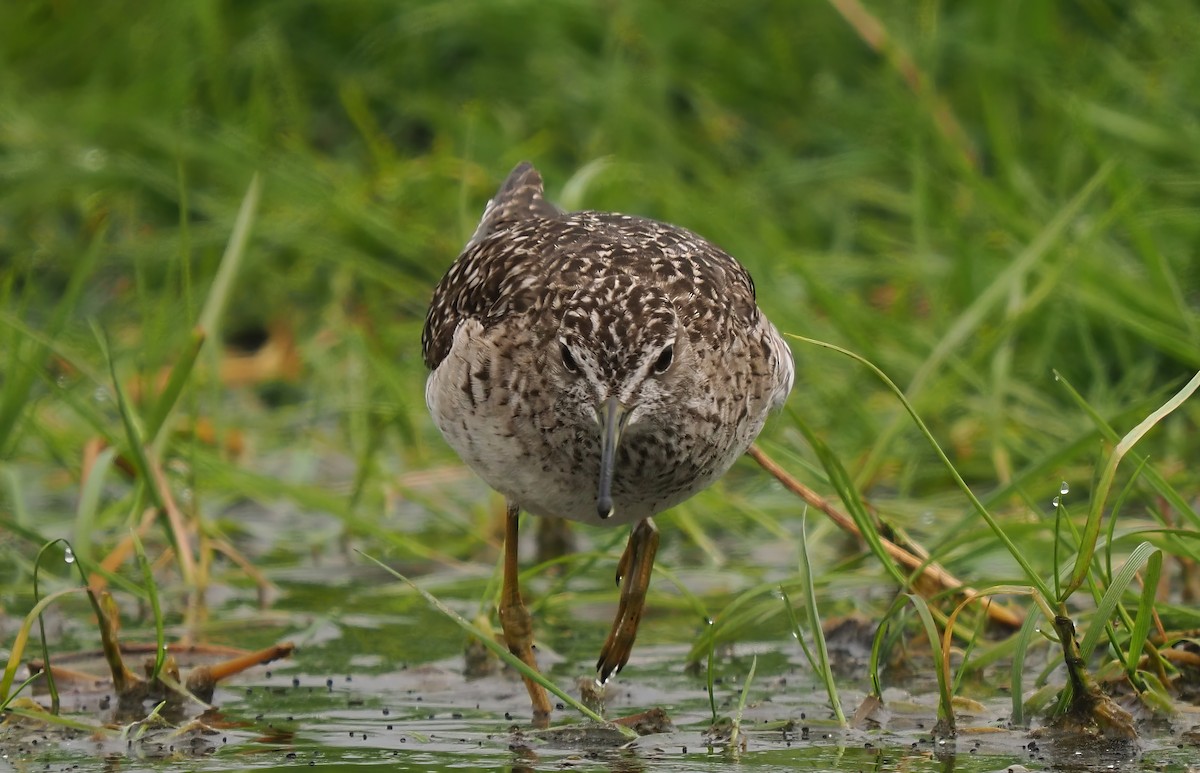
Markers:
924,566
818,659
699,537
160,648
751,605
61,721
945,725
69,556
89,502
948,633
1034,578
180,371
1114,517
1060,513
798,633
1145,614
133,433
1017,671
825,666
1091,530
15,520
710,674
691,599
210,314
17,648
22,371
875,34
78,564
976,635
973,317
1164,489
1112,596
500,650
898,604
736,729
840,479
231,260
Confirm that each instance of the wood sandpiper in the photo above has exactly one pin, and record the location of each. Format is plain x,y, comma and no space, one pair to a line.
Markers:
597,367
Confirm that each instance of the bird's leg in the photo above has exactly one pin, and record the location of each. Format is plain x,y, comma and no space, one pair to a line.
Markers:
516,621
633,572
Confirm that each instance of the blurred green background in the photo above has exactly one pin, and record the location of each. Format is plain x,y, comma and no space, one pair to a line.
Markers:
1000,190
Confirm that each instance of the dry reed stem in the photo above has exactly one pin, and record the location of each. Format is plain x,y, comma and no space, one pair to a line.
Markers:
930,570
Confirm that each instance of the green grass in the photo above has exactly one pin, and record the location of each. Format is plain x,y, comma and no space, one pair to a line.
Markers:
1031,284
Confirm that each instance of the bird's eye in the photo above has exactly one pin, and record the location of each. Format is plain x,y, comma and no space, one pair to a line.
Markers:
568,360
663,363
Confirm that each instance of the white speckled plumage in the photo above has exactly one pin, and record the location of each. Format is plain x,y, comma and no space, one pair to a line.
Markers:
546,315
596,367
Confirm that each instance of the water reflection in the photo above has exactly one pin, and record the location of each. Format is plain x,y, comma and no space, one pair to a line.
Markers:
623,761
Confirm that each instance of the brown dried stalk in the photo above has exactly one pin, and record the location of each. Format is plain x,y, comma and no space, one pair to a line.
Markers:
915,559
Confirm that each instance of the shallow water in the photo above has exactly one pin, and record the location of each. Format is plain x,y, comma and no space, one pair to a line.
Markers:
377,680
365,691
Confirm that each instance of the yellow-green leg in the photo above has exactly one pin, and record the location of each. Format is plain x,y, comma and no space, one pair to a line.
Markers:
633,574
516,621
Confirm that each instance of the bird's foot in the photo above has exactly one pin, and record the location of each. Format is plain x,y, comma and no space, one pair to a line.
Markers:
637,562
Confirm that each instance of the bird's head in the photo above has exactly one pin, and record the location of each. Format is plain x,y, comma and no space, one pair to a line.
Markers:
617,355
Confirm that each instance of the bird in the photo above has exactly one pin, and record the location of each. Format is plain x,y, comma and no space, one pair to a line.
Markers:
597,367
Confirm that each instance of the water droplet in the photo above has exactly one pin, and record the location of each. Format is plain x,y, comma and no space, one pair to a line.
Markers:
100,395
69,556
1055,502
1064,488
